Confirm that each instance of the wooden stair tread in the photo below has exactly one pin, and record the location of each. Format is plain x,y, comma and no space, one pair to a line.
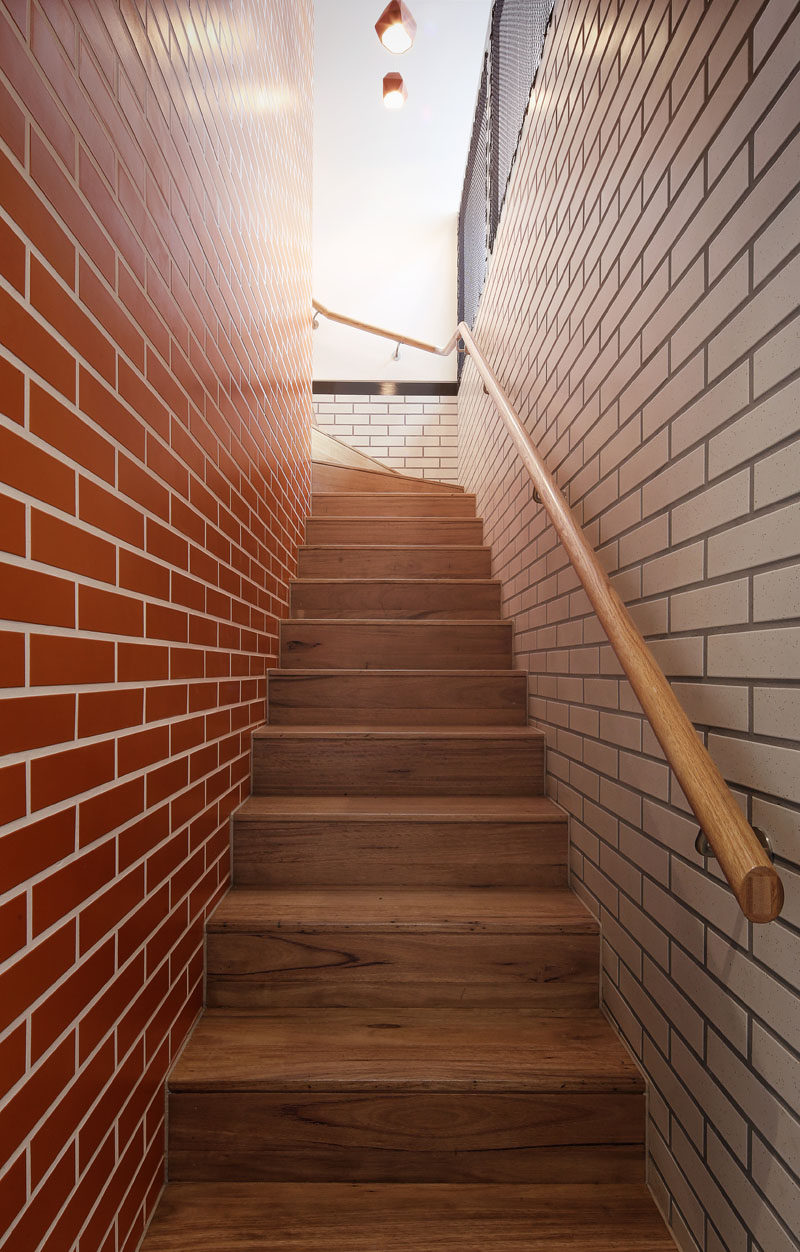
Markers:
399,517
381,578
522,733
397,673
453,910
392,547
415,808
355,1049
411,1217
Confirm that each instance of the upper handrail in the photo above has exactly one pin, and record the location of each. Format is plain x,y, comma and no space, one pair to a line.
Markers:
749,871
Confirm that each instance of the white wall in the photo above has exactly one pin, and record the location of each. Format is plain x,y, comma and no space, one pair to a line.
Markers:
387,185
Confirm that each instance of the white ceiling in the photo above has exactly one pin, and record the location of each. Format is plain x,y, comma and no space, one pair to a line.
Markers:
387,184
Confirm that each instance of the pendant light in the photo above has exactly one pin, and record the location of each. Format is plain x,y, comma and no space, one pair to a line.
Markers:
396,27
394,91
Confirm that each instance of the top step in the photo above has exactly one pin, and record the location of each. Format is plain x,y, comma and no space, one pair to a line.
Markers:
391,504
341,478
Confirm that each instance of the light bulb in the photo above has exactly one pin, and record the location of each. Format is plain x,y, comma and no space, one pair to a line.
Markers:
394,91
396,38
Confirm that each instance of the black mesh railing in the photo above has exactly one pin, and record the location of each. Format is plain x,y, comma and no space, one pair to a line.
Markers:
472,218
514,51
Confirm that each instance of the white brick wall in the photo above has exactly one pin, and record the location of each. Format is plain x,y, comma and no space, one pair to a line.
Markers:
641,308
416,434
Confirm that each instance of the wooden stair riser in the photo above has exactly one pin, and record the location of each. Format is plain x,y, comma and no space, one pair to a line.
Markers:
309,644
380,1136
375,698
412,854
398,765
262,969
436,531
386,504
328,478
426,599
375,561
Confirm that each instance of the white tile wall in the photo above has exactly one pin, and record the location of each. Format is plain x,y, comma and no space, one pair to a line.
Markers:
641,308
416,434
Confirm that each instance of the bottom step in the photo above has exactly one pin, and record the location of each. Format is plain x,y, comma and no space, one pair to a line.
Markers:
324,1217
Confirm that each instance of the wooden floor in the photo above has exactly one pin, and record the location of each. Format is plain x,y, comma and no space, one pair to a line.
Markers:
402,1046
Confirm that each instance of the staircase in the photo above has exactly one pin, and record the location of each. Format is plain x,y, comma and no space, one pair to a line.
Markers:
401,989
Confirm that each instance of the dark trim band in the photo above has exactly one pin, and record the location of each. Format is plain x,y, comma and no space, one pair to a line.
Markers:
371,388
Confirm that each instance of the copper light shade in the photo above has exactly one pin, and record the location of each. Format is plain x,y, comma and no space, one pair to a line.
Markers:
394,91
396,27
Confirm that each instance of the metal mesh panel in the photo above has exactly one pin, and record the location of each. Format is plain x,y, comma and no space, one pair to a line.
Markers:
472,217
516,38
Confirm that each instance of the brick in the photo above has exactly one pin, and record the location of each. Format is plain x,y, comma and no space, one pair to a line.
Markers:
713,507
106,512
775,360
67,1002
765,310
720,604
28,595
769,537
61,310
716,306
714,407
777,476
777,595
58,426
59,543
33,344
19,199
107,612
12,391
114,807
32,470
764,767
765,996
715,704
675,569
61,775
101,712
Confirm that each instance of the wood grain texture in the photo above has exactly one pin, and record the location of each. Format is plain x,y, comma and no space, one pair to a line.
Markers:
415,841
439,1050
326,644
291,1217
397,697
376,561
395,598
434,761
391,504
395,947
381,1136
398,909
338,478
439,531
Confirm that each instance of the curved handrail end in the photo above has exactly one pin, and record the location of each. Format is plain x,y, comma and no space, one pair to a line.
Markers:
761,894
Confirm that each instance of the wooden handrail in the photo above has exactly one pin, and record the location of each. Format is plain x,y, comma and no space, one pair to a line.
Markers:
749,871
386,334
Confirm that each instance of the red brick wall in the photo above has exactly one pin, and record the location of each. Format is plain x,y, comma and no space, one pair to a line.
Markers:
155,405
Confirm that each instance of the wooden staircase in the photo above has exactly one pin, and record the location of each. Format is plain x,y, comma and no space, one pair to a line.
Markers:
402,1046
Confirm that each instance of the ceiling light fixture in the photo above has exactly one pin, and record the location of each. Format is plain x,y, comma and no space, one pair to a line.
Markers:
394,91
396,27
